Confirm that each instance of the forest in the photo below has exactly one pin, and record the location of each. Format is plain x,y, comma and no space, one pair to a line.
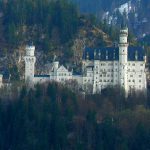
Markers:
52,116
52,26
41,22
46,23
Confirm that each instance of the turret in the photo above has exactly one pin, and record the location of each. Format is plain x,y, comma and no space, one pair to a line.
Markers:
29,63
123,36
55,65
30,49
1,80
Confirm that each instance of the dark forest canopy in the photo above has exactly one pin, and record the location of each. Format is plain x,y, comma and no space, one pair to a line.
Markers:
54,117
45,22
39,20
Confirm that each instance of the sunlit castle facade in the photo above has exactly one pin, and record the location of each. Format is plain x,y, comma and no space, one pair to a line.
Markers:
122,66
57,73
1,80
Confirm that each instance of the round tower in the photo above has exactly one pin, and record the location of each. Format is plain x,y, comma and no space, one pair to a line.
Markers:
29,63
123,58
1,80
56,65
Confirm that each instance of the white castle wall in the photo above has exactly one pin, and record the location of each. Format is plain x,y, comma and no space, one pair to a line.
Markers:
29,63
96,74
1,80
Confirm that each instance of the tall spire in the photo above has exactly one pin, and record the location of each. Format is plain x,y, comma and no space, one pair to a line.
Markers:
124,21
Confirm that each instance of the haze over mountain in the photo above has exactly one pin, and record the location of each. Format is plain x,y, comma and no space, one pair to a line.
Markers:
136,12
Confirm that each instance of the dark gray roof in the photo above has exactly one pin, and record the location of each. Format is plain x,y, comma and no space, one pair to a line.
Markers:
112,53
5,73
41,76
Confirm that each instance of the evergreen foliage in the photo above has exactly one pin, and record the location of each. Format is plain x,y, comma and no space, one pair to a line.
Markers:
42,21
53,117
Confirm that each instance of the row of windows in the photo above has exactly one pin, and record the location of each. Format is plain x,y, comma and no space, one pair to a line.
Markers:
134,81
134,64
111,64
108,70
99,81
133,70
109,75
111,70
106,81
110,80
88,80
133,76
63,74
133,87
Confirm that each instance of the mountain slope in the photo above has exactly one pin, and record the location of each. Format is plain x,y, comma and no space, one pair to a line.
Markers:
135,12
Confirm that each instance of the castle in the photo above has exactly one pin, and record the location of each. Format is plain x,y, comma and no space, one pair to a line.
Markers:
1,80
122,66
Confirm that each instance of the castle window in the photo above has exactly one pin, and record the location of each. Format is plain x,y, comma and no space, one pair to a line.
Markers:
141,64
139,80
133,80
133,64
140,76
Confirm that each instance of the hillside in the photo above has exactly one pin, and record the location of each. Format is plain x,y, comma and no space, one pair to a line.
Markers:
136,12
53,117
52,28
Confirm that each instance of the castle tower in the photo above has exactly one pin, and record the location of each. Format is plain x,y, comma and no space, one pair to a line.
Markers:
1,80
123,58
29,63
